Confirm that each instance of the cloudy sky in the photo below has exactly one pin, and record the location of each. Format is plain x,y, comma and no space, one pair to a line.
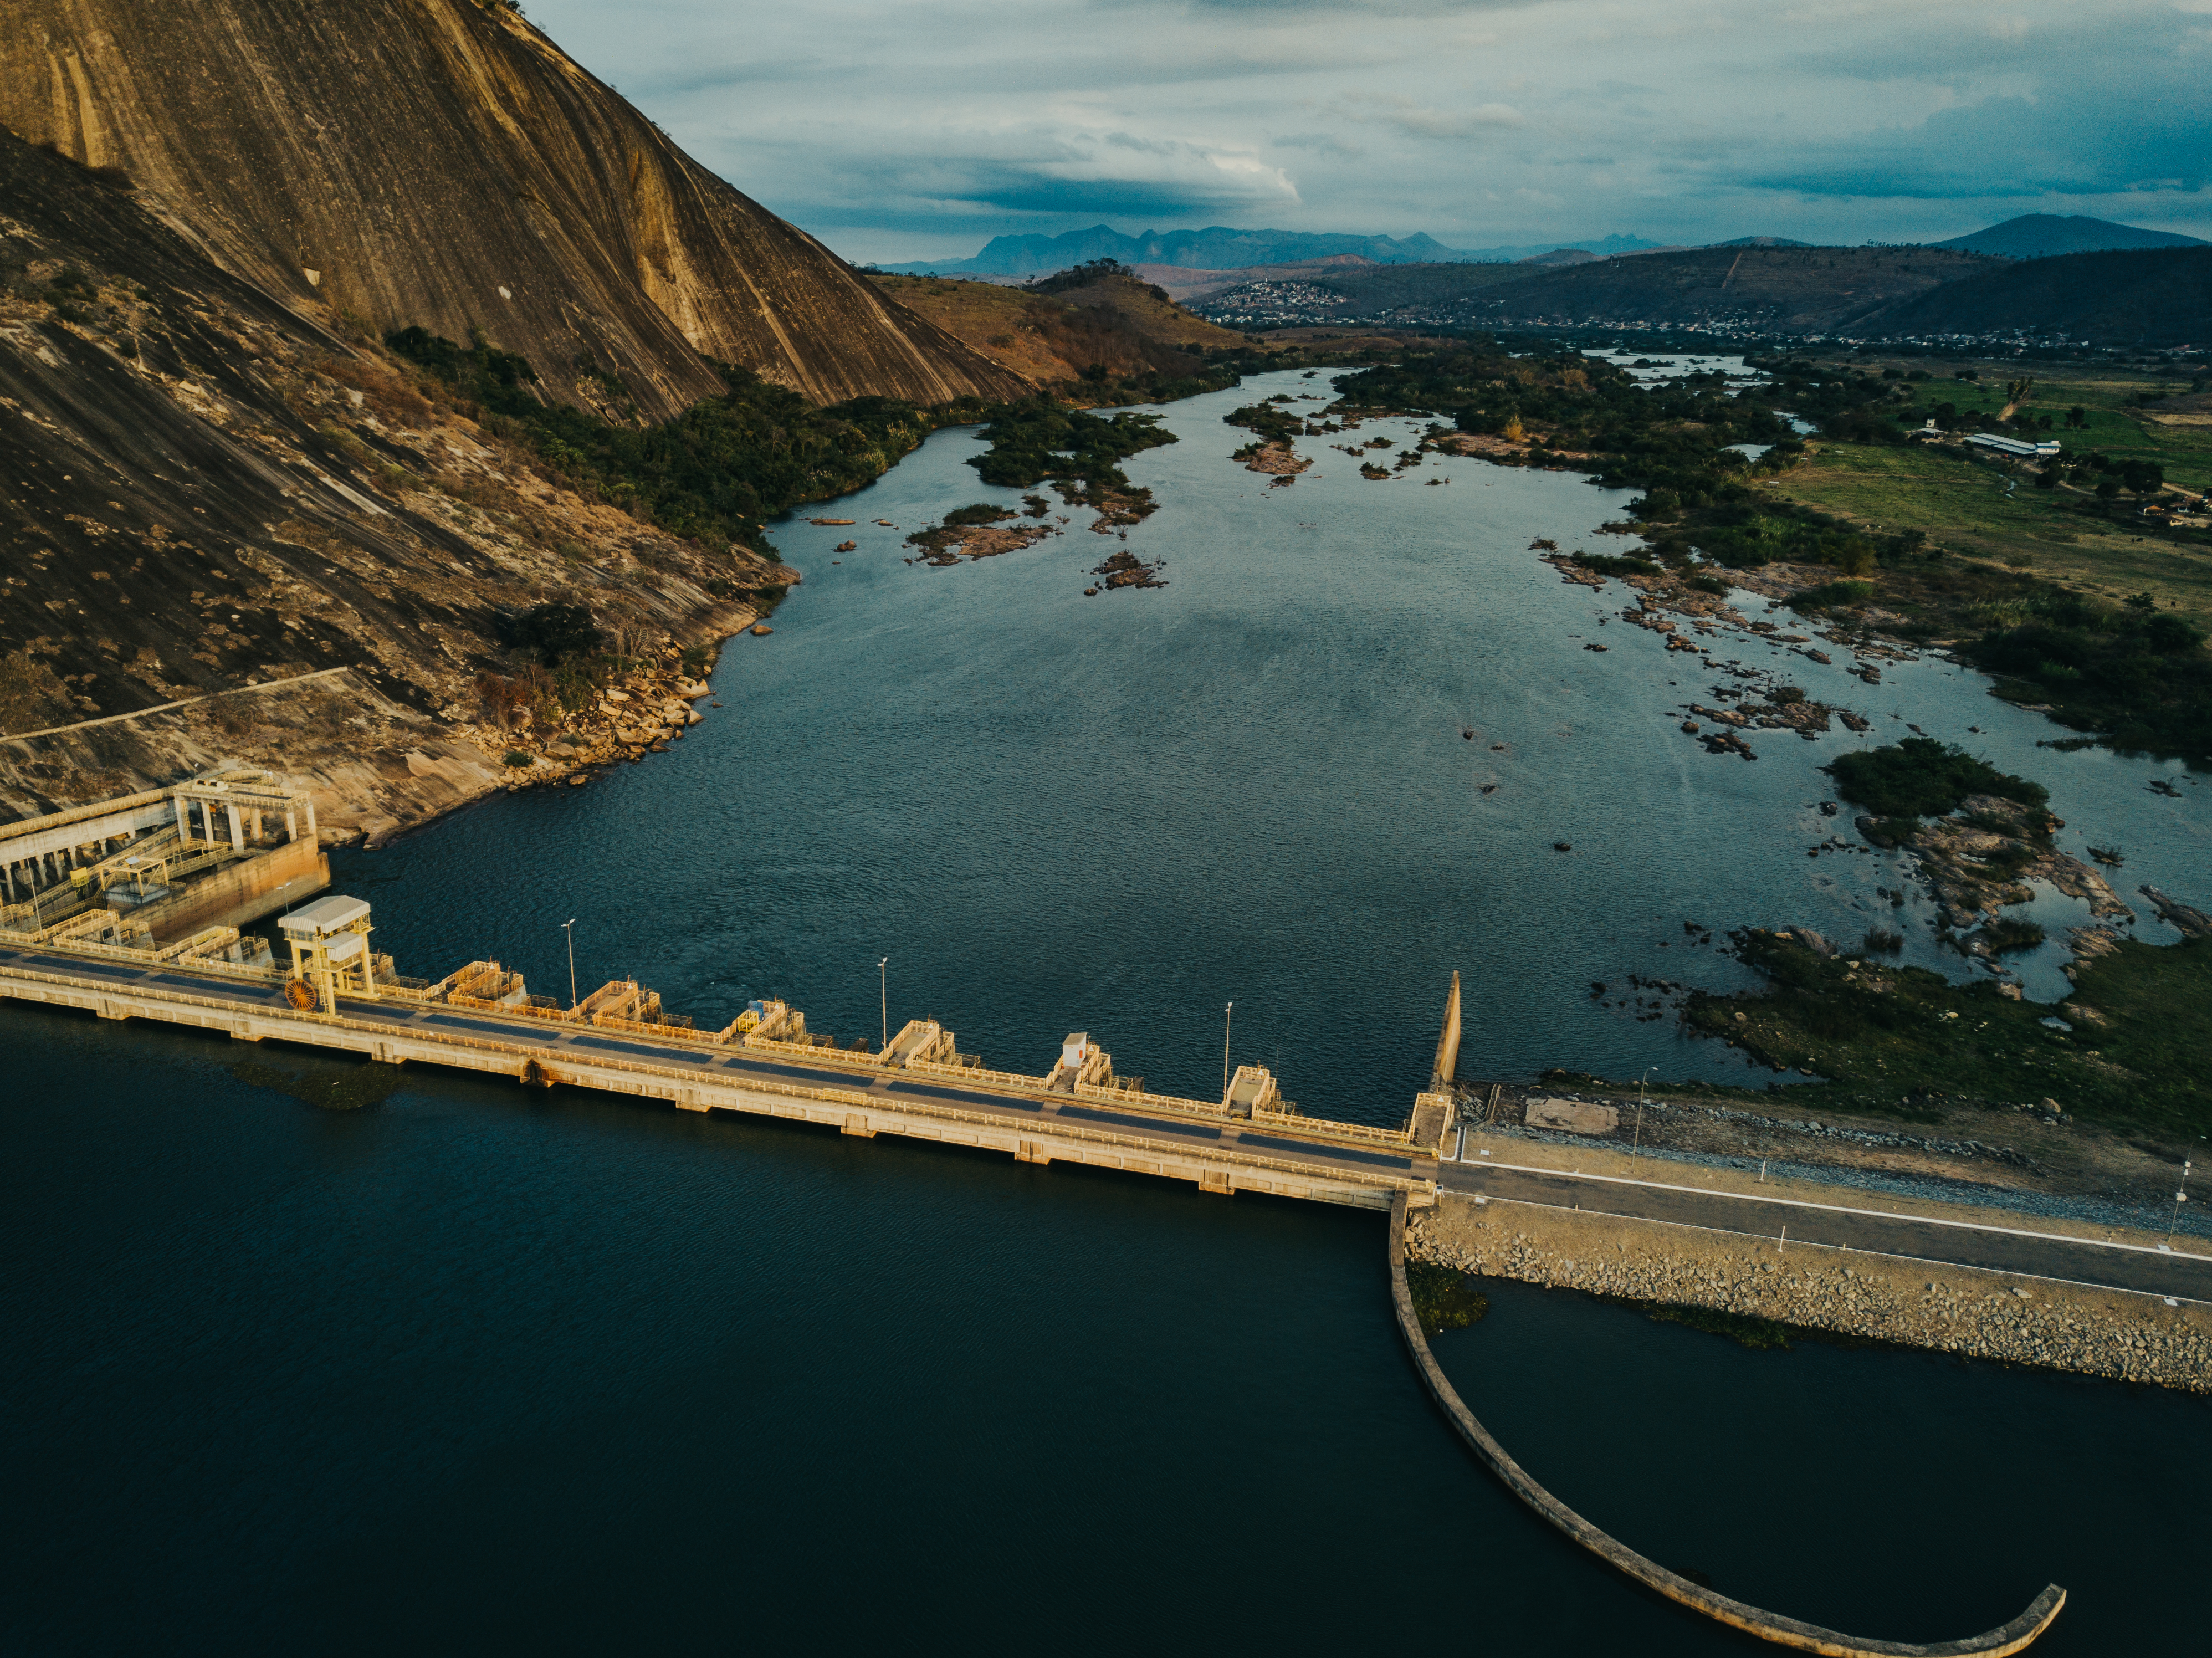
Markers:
919,131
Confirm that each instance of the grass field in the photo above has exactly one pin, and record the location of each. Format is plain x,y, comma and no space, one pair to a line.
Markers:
2102,391
1980,510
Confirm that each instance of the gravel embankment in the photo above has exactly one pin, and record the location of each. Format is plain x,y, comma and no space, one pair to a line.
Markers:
1980,1315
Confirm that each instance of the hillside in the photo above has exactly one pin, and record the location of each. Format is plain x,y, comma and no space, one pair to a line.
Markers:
2043,235
1791,290
1401,293
1052,337
207,492
2143,297
440,163
1802,290
1185,283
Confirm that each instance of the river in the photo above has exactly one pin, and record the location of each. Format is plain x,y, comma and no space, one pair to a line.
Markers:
476,1368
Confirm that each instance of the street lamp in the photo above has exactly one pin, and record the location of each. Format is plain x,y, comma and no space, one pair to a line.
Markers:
2180,1197
568,927
1227,1015
883,996
1636,1151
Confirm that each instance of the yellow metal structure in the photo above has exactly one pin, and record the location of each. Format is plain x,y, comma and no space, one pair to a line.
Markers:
329,940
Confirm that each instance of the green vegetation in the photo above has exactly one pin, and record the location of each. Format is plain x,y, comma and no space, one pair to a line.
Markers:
2010,936
1443,1299
2138,673
1897,1040
716,470
552,632
1832,595
1041,439
1605,565
1270,420
1921,777
1757,1333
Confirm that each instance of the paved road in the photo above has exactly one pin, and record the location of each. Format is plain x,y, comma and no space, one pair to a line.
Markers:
731,1065
2080,1261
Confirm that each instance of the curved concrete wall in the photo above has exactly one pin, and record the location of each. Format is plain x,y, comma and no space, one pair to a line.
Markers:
1783,1631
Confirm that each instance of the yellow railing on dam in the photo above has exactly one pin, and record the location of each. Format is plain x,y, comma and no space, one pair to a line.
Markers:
1084,1072
533,1054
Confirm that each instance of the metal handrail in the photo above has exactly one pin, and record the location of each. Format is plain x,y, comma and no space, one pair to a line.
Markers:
1358,1131
930,1110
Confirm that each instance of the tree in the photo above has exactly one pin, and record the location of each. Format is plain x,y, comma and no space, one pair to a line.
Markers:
2015,394
554,631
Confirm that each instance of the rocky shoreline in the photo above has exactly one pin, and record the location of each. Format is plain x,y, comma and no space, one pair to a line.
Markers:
2006,1318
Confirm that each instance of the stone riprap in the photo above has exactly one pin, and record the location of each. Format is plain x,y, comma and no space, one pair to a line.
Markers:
2017,1320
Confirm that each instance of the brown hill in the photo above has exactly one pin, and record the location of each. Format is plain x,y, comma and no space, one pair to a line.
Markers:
1051,337
443,163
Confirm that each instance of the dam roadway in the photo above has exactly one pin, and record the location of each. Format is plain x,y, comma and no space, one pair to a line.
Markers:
1671,1199
857,1095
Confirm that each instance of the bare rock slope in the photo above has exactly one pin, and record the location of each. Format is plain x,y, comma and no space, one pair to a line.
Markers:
206,496
443,163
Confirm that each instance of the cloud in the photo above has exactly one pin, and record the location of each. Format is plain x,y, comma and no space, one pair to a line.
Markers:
2069,140
1421,121
1838,120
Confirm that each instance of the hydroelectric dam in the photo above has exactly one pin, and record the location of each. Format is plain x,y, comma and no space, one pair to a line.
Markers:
130,912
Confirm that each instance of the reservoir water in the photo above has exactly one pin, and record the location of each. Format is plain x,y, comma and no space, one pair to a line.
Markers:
475,1368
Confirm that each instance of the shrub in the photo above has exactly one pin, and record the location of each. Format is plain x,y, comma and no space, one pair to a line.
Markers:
1881,941
982,512
517,757
2009,936
554,630
1921,777
1833,595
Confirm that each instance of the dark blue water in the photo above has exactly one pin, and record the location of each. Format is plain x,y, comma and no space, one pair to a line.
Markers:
481,1368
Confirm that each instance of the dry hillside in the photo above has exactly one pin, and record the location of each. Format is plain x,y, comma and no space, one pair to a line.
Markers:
441,162
205,492
1050,338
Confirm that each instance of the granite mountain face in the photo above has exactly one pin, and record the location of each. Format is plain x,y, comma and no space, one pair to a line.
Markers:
212,213
440,163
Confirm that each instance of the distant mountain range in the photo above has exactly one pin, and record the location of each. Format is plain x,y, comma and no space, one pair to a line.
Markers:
2031,236
2043,235
1216,248
1220,248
